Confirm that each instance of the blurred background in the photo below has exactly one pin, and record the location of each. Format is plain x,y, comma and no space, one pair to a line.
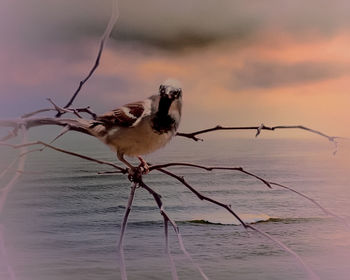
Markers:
240,62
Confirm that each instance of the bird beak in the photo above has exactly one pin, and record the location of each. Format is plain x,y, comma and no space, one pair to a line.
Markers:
175,94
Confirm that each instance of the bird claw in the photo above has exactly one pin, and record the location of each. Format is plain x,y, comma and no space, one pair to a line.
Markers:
144,167
135,173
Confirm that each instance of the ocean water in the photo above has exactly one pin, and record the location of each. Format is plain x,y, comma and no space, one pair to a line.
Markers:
62,219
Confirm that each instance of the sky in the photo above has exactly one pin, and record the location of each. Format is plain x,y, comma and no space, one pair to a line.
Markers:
240,62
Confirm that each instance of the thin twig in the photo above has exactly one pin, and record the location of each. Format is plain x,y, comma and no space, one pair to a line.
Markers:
112,21
326,211
86,110
61,110
3,251
122,232
157,198
161,166
265,181
2,174
3,197
228,208
121,169
74,111
201,196
168,252
37,112
20,167
80,127
13,133
193,135
28,123
309,271
62,132
209,168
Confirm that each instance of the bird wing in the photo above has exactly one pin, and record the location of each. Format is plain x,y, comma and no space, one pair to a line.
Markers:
128,115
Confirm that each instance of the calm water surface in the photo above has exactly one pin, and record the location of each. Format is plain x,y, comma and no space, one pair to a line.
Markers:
62,219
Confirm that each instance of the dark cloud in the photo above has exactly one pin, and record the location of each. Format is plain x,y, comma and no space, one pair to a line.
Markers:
182,39
169,24
195,23
264,75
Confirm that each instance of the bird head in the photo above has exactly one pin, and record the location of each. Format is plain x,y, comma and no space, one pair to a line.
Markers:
170,89
170,101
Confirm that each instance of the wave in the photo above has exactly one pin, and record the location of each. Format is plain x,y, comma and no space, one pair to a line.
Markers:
229,221
253,219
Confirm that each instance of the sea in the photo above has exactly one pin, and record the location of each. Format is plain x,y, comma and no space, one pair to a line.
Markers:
62,219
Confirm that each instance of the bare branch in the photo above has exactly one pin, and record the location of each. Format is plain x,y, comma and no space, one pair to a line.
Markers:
13,133
228,208
326,211
209,168
3,251
79,125
167,250
193,135
66,110
201,196
122,231
61,110
157,198
160,168
37,112
121,169
72,124
112,21
240,169
84,126
20,167
62,132
2,174
87,110
4,192
309,271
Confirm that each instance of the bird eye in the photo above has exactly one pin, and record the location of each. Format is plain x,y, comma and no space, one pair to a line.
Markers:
162,90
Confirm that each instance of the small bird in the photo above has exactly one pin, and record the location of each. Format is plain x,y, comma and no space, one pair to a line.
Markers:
142,127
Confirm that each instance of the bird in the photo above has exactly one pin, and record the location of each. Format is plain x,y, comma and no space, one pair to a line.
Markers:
141,127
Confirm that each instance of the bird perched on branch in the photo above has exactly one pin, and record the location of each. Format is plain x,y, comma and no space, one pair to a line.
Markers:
142,127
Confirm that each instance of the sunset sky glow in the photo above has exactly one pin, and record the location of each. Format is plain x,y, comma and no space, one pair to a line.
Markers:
240,62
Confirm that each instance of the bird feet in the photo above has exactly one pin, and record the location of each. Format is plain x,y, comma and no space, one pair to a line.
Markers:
143,166
135,173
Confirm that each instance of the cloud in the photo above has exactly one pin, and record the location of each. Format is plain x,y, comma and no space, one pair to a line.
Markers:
167,24
266,75
181,24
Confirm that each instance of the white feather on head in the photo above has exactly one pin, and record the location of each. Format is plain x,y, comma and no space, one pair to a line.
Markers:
172,82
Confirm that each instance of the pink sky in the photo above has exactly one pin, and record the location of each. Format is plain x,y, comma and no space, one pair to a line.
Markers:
275,76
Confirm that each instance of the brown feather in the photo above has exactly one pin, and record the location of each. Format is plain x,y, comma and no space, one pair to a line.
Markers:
125,116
